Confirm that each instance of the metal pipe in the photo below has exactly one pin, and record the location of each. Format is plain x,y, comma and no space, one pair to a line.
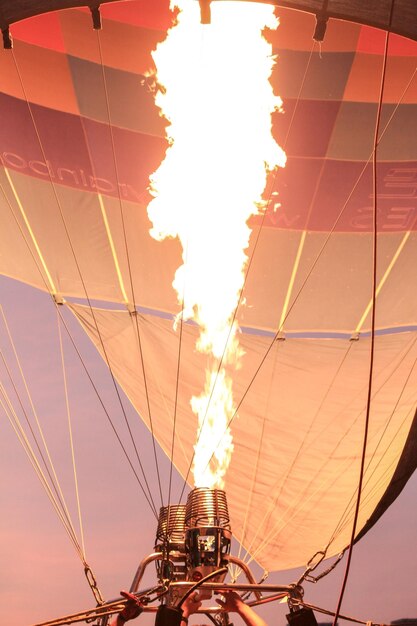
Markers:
117,605
265,600
237,586
154,556
236,561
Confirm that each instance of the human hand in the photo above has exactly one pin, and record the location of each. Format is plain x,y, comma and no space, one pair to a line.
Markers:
232,602
132,608
191,604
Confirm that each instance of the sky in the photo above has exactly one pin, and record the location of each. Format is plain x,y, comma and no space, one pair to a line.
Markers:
41,576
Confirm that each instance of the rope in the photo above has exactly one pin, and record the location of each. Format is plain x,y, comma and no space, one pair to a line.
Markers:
301,497
299,94
50,470
74,467
249,500
47,288
57,500
149,501
17,427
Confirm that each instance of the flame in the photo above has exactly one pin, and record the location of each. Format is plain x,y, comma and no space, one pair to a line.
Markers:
216,95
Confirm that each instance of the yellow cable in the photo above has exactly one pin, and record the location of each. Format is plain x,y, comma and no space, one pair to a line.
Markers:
31,233
292,279
383,280
113,249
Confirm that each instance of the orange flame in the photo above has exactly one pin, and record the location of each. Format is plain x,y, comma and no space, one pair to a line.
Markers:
217,97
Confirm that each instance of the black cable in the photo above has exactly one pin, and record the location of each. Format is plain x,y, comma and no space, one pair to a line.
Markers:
373,313
217,572
326,612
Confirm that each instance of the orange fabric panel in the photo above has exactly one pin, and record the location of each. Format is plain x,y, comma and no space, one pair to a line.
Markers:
364,80
46,78
123,46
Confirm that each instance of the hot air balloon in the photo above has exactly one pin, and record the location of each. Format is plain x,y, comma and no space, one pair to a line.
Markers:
325,392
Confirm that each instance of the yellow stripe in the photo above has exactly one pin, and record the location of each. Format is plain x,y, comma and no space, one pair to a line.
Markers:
292,279
113,249
31,233
383,280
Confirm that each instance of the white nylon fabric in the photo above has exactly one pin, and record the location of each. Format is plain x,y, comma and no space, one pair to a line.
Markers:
298,435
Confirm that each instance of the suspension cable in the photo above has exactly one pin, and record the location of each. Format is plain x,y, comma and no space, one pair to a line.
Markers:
74,467
149,500
50,468
54,493
17,427
373,314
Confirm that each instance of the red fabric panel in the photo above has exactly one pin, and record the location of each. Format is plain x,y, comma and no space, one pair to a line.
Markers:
43,30
155,14
372,41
